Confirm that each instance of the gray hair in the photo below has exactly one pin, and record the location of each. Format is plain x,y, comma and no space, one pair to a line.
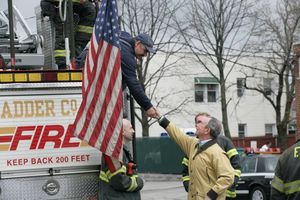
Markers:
215,127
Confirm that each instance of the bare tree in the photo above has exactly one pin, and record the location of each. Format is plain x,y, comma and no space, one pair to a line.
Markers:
154,17
274,37
217,32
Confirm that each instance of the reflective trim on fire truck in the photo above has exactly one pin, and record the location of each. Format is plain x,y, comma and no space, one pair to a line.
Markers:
40,76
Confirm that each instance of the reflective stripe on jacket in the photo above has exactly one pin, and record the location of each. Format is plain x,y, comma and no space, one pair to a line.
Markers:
286,182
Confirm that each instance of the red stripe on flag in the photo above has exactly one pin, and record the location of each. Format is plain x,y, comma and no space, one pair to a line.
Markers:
93,56
119,144
112,124
108,95
110,164
97,92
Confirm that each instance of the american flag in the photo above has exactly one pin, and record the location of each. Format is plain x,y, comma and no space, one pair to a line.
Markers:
99,118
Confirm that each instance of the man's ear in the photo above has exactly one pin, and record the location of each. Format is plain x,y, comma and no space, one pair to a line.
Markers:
208,130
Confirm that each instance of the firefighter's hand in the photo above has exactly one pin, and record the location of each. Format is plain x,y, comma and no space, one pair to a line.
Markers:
152,112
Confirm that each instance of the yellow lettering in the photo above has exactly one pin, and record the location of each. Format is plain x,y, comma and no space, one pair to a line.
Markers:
74,106
29,108
18,109
296,152
64,104
39,112
6,111
49,108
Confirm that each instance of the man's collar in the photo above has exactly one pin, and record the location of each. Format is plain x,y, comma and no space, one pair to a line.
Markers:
203,147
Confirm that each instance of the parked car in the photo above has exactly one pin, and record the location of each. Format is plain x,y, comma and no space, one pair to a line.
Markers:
257,174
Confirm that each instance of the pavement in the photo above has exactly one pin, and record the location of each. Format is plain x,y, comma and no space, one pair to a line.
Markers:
162,187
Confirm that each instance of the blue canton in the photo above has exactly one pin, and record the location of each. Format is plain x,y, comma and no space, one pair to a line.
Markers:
106,25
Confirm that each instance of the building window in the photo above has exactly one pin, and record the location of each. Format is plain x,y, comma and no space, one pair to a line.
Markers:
292,128
267,86
206,89
269,129
242,130
240,84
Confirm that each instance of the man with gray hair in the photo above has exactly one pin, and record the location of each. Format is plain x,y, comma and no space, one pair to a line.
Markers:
209,168
231,152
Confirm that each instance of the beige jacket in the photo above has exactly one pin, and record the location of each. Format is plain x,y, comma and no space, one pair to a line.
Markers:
210,170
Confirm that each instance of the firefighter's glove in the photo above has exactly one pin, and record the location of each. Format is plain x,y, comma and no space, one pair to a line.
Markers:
186,185
140,183
235,182
131,168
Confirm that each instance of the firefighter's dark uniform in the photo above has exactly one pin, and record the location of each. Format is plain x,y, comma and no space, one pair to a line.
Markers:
286,182
121,184
86,12
227,145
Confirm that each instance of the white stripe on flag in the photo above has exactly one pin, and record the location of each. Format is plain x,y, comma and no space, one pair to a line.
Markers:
110,106
91,93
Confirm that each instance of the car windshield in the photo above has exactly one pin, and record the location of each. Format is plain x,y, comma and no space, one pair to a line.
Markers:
252,164
248,165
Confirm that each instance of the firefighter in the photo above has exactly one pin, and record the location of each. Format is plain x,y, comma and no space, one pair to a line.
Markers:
86,11
286,182
231,152
123,183
132,48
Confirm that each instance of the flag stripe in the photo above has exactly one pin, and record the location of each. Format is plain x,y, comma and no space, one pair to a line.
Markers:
82,113
111,125
107,104
94,91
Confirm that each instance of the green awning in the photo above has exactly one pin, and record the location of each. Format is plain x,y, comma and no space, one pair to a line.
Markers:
205,80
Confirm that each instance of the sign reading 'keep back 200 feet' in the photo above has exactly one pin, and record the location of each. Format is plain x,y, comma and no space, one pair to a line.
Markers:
34,132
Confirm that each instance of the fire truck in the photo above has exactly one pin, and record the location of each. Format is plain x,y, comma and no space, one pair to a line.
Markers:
40,157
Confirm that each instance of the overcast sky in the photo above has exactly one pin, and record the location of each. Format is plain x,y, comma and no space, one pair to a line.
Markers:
26,8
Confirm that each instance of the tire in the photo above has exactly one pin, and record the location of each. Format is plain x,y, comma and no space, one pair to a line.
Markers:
257,193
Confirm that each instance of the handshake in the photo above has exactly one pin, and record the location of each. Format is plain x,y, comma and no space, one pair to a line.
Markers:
153,113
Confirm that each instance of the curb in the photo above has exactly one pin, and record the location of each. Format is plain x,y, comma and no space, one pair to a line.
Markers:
160,177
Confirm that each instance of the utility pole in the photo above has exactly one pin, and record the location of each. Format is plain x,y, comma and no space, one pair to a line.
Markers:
70,20
11,34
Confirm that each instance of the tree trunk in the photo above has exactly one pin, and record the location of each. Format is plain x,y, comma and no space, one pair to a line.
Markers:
145,124
224,112
224,103
282,141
